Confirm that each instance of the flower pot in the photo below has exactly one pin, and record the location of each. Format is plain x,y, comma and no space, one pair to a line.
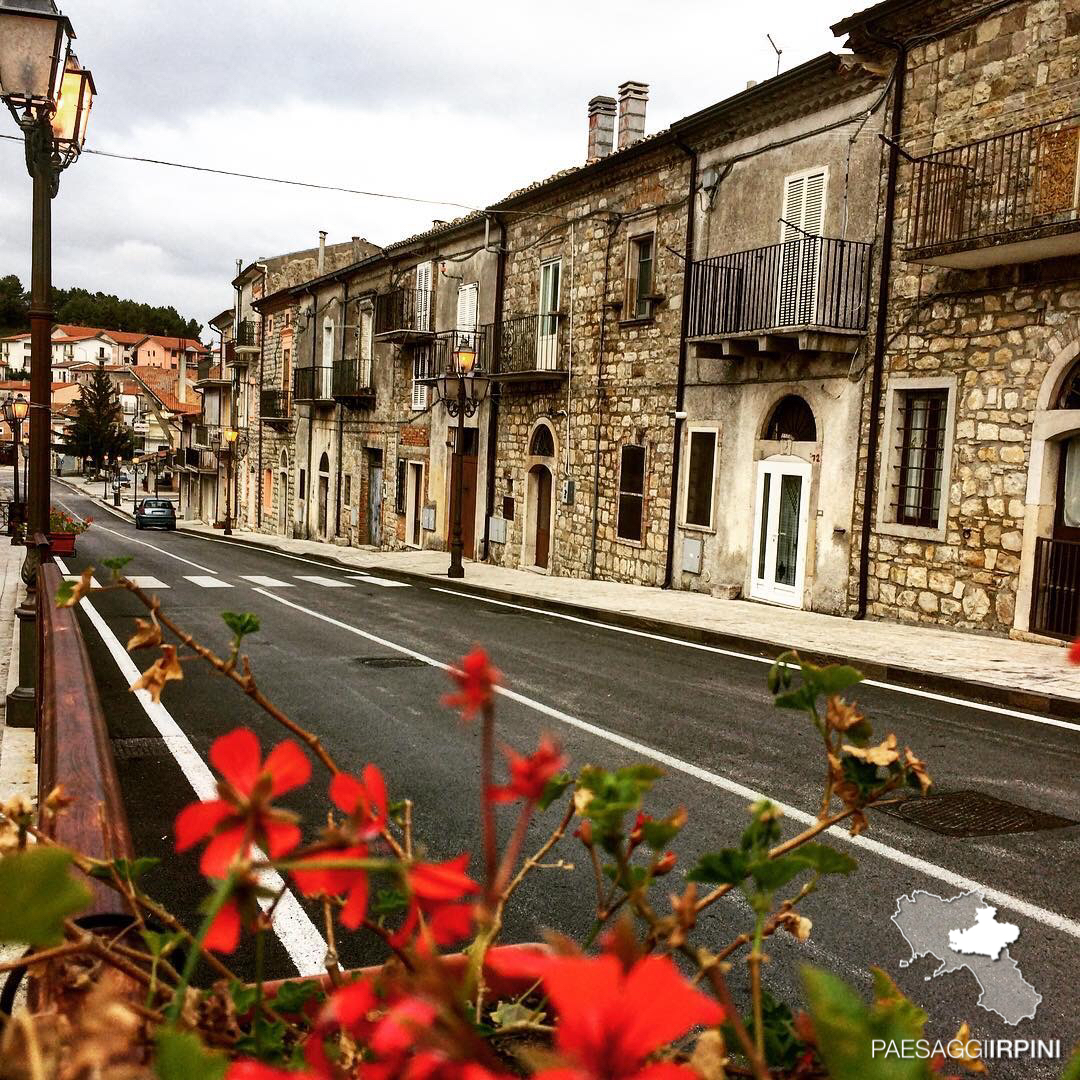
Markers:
62,543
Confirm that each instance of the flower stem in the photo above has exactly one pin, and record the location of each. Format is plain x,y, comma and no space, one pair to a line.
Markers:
260,958
487,781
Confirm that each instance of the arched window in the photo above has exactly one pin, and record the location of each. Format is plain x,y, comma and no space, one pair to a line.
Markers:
284,460
324,463
791,419
1069,394
542,445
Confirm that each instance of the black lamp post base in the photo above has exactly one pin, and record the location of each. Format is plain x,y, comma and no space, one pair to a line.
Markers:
456,570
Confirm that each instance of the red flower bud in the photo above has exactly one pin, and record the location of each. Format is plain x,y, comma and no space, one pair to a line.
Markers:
665,864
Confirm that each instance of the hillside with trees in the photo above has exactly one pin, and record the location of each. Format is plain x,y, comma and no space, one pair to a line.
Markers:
81,307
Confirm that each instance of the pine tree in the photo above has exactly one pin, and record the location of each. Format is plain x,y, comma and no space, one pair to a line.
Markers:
99,428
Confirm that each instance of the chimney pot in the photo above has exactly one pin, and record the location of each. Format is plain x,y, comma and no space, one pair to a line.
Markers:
601,126
632,98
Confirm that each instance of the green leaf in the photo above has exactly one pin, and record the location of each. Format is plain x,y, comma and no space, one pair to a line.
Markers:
388,901
118,563
771,874
270,1045
727,867
634,877
64,592
241,624
507,1013
160,944
243,997
824,859
801,699
181,1056
836,678
553,789
1072,1070
127,870
293,996
659,834
37,893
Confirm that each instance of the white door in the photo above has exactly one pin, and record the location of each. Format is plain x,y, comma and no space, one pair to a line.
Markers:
547,332
803,222
780,524
423,296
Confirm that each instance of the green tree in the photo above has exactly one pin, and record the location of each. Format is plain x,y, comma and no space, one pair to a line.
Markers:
99,428
14,306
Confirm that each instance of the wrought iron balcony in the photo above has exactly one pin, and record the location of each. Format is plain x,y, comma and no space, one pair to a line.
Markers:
1009,198
274,405
246,337
806,295
403,315
206,435
525,348
314,385
352,382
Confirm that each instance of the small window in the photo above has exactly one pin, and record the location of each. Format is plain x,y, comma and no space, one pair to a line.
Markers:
348,489
302,485
269,324
640,284
542,445
631,493
421,371
268,489
791,419
699,478
399,490
922,453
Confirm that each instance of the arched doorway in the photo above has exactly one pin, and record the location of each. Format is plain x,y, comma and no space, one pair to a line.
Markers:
782,506
283,493
324,494
538,526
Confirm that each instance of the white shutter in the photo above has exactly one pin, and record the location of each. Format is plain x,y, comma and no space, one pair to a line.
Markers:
420,389
804,217
794,198
813,220
423,296
467,298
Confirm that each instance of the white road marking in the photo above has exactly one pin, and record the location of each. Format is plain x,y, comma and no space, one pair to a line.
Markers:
268,551
145,581
267,582
208,582
325,582
912,862
94,583
386,583
979,706
302,941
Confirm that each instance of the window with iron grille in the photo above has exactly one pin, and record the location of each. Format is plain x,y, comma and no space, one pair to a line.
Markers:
921,454
631,493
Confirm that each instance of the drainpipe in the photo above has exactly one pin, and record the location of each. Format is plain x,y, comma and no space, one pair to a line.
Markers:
493,401
310,416
877,374
599,395
339,407
680,379
258,407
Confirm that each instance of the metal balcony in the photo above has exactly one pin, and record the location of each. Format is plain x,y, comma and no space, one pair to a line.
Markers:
1010,198
206,436
352,382
313,386
809,295
274,406
403,315
525,348
246,338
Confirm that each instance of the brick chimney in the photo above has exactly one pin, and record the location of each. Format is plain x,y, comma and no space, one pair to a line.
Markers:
322,252
601,127
632,98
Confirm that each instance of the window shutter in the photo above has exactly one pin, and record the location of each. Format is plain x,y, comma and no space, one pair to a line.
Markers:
423,296
794,199
813,220
420,371
467,296
399,491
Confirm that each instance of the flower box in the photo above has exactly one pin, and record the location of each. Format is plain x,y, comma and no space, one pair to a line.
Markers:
62,543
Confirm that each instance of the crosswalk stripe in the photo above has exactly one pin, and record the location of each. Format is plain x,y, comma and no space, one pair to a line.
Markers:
386,583
325,582
207,582
147,582
94,583
267,582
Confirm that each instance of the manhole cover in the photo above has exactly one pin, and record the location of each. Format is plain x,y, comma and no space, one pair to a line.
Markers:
389,661
973,813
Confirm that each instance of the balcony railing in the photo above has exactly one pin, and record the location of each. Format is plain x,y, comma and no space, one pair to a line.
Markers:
405,314
352,380
314,384
1014,194
813,282
206,435
246,334
1055,593
274,404
525,347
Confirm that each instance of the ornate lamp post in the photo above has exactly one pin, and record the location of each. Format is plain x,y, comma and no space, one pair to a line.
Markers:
105,477
461,392
49,95
234,448
15,412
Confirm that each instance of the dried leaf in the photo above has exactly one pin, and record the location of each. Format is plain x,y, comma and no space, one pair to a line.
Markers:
147,635
165,668
885,753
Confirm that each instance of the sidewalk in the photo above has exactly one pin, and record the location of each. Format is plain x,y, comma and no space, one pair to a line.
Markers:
18,773
1020,674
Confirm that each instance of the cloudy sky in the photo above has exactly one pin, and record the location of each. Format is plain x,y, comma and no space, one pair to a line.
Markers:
452,101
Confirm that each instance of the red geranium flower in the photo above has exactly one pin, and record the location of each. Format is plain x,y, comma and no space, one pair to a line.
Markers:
243,815
476,680
362,801
224,933
529,775
333,881
1074,652
436,891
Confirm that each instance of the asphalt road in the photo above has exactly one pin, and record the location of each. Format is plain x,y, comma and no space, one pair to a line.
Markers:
347,658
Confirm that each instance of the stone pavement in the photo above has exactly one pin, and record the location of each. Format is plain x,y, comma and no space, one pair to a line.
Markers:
18,773
1024,674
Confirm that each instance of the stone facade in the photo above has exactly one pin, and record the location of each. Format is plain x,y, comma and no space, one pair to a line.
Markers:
989,337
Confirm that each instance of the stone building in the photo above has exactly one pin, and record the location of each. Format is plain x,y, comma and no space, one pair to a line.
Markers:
971,440
777,334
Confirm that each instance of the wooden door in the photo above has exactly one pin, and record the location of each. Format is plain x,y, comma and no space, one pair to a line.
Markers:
543,517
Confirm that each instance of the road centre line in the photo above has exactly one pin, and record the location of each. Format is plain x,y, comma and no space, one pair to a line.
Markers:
912,691
302,941
912,862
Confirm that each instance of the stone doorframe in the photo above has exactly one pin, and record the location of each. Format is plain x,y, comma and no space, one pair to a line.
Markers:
528,530
1050,427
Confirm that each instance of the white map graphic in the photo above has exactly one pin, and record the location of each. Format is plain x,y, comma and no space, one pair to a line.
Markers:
963,932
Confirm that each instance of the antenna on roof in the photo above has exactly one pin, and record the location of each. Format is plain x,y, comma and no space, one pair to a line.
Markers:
775,50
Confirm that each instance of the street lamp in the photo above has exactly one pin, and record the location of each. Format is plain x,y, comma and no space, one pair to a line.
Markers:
105,476
49,94
235,447
461,392
15,411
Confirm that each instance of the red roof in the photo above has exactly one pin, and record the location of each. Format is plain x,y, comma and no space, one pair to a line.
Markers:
178,342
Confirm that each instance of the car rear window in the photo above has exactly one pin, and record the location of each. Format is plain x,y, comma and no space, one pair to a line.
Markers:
157,503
